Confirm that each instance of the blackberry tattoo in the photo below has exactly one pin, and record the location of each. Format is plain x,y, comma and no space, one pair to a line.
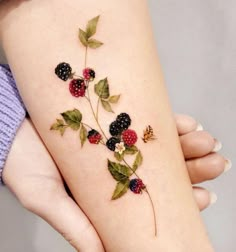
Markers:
63,71
123,139
111,143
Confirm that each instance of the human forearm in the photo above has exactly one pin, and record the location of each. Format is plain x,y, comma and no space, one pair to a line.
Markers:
128,58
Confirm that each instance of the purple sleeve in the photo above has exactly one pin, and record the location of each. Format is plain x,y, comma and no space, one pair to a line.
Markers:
12,113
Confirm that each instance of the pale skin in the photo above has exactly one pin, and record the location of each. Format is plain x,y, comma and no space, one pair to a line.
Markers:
48,27
41,189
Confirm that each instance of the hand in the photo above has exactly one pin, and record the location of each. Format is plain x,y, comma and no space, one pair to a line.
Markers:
31,174
202,160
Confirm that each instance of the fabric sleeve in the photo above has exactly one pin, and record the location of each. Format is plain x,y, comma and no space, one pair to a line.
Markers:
12,113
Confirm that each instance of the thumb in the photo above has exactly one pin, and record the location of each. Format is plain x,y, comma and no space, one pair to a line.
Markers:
64,215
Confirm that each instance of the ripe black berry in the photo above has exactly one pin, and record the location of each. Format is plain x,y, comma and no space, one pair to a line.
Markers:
114,129
111,143
123,121
63,71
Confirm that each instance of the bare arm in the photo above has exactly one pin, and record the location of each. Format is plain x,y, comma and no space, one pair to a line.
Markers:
40,35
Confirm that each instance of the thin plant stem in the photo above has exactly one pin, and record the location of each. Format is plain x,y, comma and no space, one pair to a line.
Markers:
150,198
97,121
153,210
86,56
88,97
101,142
87,125
78,76
97,107
91,106
134,172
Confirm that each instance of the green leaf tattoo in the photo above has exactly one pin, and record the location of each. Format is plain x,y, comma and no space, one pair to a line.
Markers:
114,98
122,140
94,43
121,189
83,134
131,150
102,89
138,161
73,118
92,27
83,37
118,156
118,171
106,105
60,126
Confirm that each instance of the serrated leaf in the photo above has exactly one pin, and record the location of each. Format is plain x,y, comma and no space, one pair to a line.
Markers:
94,43
83,37
92,26
118,171
102,89
60,126
83,135
138,161
131,150
107,106
119,156
120,190
114,98
73,118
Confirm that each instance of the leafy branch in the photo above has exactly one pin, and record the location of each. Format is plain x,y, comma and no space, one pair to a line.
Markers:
120,170
85,37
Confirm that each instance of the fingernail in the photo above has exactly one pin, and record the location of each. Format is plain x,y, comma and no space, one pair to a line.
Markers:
213,198
218,146
199,127
228,165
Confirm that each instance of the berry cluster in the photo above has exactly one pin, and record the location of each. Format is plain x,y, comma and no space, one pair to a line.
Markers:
121,123
136,185
120,132
78,86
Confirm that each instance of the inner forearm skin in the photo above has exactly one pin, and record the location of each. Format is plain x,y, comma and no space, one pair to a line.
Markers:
36,36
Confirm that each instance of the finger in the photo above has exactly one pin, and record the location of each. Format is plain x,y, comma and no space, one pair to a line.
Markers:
186,124
207,168
203,197
198,144
67,218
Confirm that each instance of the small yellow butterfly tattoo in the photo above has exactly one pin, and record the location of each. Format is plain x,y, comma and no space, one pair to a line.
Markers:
148,134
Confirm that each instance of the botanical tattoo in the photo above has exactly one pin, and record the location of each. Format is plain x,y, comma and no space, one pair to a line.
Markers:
122,140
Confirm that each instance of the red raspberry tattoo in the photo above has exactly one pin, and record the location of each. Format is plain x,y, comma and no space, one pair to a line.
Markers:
94,137
129,137
77,87
89,74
